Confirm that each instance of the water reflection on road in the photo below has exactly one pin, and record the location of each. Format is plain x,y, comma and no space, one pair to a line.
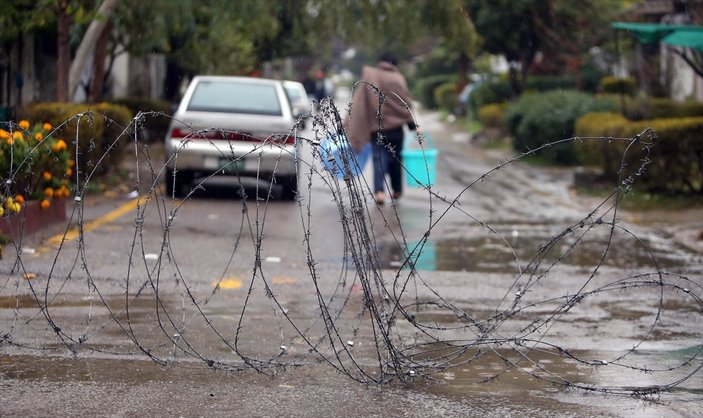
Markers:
508,247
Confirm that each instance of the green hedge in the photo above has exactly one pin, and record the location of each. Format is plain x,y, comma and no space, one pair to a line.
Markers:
542,118
492,115
676,156
445,96
617,85
489,92
659,108
98,130
550,82
425,87
157,116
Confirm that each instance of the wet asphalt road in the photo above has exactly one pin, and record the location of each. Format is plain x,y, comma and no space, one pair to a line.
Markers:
475,252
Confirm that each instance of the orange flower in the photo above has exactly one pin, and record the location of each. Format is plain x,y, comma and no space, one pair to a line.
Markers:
19,199
48,192
70,163
69,171
60,145
46,176
44,204
24,124
17,135
47,126
39,136
4,134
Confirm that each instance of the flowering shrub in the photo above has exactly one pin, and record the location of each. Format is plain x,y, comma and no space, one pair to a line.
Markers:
34,165
97,132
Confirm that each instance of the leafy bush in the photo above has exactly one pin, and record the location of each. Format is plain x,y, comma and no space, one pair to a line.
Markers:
445,96
617,85
658,108
676,155
157,116
424,89
492,115
489,92
550,82
590,77
542,118
116,122
35,164
97,129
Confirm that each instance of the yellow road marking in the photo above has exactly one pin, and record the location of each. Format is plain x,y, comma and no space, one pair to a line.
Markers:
107,218
236,283
229,283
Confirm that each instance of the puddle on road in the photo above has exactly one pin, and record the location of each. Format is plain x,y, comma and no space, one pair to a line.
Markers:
472,382
545,376
115,303
18,302
490,253
88,323
503,370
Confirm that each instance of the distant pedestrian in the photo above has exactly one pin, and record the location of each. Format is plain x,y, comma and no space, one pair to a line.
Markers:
320,90
384,130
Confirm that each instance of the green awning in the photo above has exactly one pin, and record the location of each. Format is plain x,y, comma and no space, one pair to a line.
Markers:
648,33
686,38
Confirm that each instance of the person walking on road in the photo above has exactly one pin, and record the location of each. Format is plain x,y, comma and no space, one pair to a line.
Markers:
385,128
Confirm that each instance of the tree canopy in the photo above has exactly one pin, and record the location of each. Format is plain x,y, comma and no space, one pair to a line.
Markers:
226,37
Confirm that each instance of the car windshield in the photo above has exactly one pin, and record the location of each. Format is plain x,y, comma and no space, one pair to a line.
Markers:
235,97
293,93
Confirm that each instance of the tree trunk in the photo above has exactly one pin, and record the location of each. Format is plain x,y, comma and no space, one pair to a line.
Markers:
88,42
64,59
464,68
172,82
97,83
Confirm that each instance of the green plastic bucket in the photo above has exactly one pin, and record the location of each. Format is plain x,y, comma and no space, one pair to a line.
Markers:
420,167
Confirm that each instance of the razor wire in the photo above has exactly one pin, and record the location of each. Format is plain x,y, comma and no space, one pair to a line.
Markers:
368,322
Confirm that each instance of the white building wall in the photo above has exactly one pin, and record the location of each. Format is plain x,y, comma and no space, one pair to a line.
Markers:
119,81
685,83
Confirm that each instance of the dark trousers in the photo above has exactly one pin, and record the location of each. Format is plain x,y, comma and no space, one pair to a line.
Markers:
386,150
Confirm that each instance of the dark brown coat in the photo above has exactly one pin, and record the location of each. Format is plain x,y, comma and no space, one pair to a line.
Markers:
364,118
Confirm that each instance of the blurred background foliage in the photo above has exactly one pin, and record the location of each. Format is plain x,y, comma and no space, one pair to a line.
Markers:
225,37
559,57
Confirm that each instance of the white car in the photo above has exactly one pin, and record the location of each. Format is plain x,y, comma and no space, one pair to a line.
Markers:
298,97
237,126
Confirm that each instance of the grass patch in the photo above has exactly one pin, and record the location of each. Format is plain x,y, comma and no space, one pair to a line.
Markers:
647,201
471,125
643,201
501,144
539,160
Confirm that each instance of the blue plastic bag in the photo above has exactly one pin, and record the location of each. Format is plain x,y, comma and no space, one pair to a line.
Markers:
340,159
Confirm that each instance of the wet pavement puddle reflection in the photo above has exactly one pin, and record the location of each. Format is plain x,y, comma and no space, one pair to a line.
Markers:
507,252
